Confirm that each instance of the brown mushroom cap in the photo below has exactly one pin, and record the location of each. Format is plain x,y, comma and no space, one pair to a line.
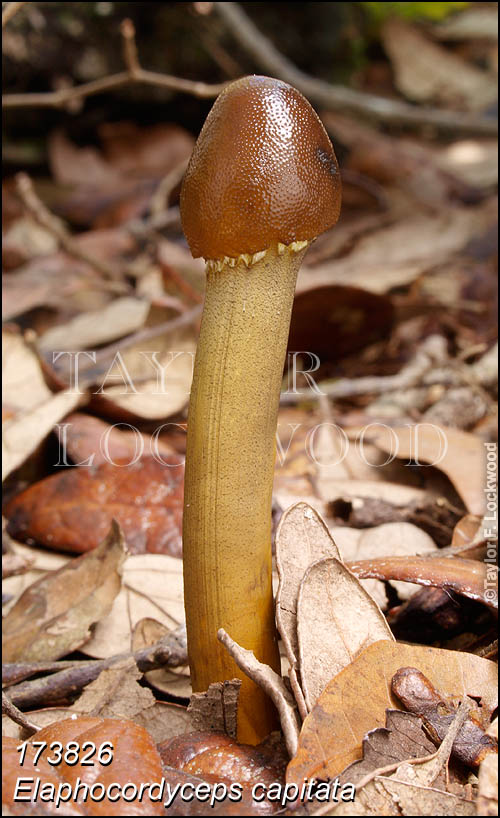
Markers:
262,171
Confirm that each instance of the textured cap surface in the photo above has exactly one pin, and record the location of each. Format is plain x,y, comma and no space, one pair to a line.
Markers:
262,171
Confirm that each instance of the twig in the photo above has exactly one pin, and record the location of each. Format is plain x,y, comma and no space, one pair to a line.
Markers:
159,200
9,11
430,353
134,74
337,97
170,651
271,683
15,714
39,211
106,353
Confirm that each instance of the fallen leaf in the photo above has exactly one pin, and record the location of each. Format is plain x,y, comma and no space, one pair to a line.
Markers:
388,796
116,693
471,578
336,620
216,709
89,329
152,587
87,438
153,377
134,760
334,321
487,798
395,540
72,509
397,254
302,539
355,701
460,455
54,615
425,71
401,738
34,408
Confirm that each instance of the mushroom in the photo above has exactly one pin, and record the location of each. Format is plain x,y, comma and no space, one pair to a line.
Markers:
262,183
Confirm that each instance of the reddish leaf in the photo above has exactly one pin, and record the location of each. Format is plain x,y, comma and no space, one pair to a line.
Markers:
135,761
72,510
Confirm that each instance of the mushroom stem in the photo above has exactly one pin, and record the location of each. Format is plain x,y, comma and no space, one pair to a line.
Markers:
229,472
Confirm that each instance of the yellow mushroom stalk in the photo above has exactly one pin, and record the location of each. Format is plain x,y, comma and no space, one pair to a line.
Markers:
263,181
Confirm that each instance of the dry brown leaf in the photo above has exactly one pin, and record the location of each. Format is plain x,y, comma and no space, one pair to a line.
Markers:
403,737
152,587
147,387
399,253
355,701
302,539
461,456
89,329
37,409
487,799
216,708
387,796
425,71
53,616
116,693
336,620
398,540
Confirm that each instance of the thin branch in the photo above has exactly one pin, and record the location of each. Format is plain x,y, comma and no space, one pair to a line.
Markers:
39,211
338,97
170,651
9,11
134,74
272,684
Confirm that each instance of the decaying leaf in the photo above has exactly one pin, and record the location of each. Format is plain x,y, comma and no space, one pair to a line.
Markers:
115,693
217,708
402,738
336,620
54,615
72,509
355,701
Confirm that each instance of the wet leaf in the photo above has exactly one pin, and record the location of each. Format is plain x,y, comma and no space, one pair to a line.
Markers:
72,510
54,615
87,438
471,578
134,759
